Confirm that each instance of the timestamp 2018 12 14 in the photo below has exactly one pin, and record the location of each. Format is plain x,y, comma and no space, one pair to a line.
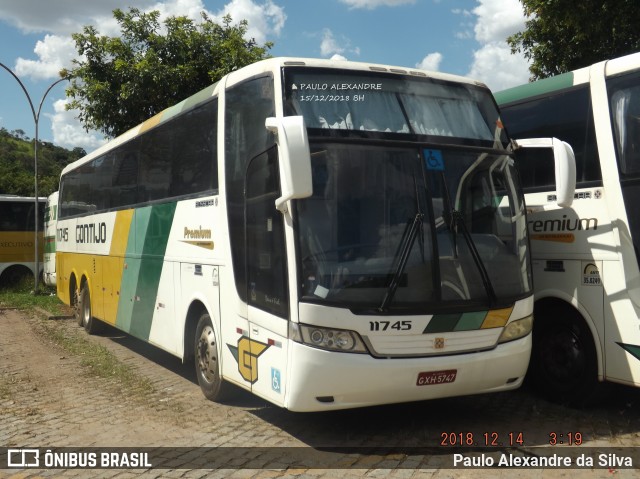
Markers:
486,439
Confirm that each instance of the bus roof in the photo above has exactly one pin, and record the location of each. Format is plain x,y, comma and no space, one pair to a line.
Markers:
269,65
540,87
566,80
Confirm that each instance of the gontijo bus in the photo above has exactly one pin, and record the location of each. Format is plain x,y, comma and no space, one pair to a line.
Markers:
324,234
585,259
17,237
49,257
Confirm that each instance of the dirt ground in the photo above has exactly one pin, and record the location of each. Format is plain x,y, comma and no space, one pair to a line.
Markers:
49,398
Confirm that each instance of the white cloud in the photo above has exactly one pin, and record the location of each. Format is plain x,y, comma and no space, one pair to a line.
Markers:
461,11
33,16
68,132
336,48
431,62
494,65
497,19
329,45
54,53
371,4
265,19
493,62
56,50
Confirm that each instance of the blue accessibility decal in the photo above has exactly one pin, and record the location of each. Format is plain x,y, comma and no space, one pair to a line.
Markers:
433,160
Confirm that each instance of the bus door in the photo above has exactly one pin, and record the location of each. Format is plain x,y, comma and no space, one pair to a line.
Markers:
620,276
267,288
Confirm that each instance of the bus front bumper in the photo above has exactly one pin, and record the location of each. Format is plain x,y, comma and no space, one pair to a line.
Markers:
321,380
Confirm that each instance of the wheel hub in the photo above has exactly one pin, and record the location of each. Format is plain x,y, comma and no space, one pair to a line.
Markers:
207,354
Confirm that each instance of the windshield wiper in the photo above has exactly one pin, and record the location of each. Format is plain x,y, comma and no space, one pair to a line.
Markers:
401,257
457,222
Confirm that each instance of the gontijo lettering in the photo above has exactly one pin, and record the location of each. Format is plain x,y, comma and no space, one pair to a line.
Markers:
91,233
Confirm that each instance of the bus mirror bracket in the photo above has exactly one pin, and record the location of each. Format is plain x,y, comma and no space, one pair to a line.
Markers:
294,158
565,166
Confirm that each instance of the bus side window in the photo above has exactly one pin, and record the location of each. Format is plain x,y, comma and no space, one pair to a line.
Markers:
536,169
248,105
625,109
266,250
566,115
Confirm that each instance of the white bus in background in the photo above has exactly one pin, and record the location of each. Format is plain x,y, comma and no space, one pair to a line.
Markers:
17,238
585,259
324,234
49,255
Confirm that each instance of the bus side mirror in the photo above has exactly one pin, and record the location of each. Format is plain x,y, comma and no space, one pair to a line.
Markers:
294,158
565,166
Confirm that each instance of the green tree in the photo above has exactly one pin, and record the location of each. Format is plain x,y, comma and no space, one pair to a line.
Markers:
121,81
562,35
17,164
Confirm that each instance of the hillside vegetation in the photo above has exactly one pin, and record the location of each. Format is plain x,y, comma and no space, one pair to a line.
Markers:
17,167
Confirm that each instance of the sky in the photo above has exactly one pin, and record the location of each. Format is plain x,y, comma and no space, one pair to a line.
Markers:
463,37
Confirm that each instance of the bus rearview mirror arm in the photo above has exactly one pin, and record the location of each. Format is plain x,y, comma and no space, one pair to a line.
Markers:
294,158
565,166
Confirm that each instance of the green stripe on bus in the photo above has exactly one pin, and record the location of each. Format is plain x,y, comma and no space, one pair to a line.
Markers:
536,88
442,323
50,244
632,349
470,321
131,271
198,98
170,113
445,323
153,250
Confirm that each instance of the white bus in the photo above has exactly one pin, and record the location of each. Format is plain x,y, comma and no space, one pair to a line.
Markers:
49,256
585,259
18,237
323,234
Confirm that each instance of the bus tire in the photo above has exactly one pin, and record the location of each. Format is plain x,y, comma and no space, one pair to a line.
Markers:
207,362
84,314
76,306
564,362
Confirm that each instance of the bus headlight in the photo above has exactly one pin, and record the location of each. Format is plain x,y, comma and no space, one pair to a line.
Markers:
327,338
516,329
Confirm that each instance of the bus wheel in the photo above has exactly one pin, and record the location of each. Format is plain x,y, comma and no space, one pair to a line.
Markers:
208,366
76,307
564,364
83,312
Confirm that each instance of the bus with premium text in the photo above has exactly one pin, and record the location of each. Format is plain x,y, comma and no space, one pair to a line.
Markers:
18,237
324,234
585,258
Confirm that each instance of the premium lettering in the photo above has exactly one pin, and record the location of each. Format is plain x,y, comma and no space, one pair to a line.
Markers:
563,224
197,233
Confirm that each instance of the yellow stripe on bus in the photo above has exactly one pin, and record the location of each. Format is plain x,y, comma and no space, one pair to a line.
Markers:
496,318
113,265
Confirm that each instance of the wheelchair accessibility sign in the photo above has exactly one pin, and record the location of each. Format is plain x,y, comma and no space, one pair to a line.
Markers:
275,380
433,160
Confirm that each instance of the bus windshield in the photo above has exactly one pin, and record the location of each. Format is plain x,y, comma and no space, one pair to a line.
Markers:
429,233
378,102
425,217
